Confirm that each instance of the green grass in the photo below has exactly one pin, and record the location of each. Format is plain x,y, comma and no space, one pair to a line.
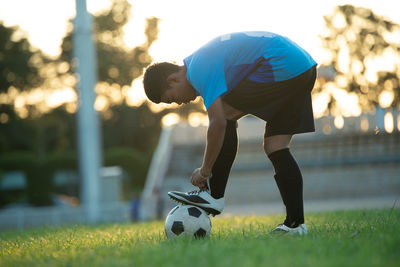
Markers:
345,238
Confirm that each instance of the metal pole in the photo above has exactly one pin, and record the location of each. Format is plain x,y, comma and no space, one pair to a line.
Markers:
90,153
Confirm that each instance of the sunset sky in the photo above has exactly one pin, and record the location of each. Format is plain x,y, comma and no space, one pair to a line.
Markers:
187,24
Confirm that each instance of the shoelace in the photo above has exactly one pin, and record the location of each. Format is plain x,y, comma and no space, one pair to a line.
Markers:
196,192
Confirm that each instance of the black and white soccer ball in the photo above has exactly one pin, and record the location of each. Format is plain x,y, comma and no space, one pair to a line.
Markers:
187,220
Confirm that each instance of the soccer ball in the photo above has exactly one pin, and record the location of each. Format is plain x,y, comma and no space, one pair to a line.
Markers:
187,220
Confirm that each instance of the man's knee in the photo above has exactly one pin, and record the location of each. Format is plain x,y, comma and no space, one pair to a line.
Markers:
276,142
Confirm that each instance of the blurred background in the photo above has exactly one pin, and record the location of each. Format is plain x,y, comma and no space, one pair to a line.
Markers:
149,149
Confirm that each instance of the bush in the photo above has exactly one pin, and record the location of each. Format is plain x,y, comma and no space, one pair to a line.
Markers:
134,162
21,161
39,184
40,172
38,178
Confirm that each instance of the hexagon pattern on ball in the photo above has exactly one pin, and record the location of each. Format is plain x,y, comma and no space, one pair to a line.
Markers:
187,220
195,212
200,233
177,228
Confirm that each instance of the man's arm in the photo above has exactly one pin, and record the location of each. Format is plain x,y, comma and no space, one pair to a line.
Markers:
215,136
215,139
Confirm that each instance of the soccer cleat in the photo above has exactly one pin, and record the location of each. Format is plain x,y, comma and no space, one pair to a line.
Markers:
201,199
283,229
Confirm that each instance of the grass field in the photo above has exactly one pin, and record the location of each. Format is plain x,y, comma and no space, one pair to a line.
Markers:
345,238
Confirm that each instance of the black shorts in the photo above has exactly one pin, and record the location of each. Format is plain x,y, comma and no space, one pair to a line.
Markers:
286,106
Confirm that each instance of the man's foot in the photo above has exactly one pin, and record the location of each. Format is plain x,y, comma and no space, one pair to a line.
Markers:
201,199
283,229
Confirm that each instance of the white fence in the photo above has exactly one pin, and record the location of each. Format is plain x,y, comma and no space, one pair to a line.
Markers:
111,209
20,218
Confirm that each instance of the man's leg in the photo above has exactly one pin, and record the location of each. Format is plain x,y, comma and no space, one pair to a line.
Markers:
223,164
287,176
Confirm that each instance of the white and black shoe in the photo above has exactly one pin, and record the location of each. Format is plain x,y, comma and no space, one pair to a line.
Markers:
201,199
283,229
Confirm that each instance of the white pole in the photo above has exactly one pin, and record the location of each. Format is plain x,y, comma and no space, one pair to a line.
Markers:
90,153
380,118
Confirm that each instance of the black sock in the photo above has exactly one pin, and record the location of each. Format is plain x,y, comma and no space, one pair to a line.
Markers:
223,164
290,183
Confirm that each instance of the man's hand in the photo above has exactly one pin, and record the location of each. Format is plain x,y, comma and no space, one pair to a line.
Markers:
198,179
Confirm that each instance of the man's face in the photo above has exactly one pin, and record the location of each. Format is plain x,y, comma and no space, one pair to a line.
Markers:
180,91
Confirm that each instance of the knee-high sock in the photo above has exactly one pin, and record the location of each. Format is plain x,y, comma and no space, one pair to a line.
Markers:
290,183
223,164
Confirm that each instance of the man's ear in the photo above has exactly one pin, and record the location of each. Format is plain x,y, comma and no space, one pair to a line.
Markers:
173,77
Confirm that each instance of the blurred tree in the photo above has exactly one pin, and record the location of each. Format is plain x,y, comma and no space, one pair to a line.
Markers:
129,132
356,40
51,132
116,62
118,66
14,131
137,127
18,60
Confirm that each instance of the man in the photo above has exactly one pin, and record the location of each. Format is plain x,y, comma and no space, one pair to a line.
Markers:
258,73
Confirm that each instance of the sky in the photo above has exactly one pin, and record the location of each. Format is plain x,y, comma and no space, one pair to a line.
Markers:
187,24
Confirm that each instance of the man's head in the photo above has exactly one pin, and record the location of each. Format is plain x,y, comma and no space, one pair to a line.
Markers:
166,82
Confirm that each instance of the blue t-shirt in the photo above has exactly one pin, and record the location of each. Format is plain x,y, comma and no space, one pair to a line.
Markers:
221,64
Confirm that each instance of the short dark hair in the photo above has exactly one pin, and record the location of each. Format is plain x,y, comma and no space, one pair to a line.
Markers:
155,79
